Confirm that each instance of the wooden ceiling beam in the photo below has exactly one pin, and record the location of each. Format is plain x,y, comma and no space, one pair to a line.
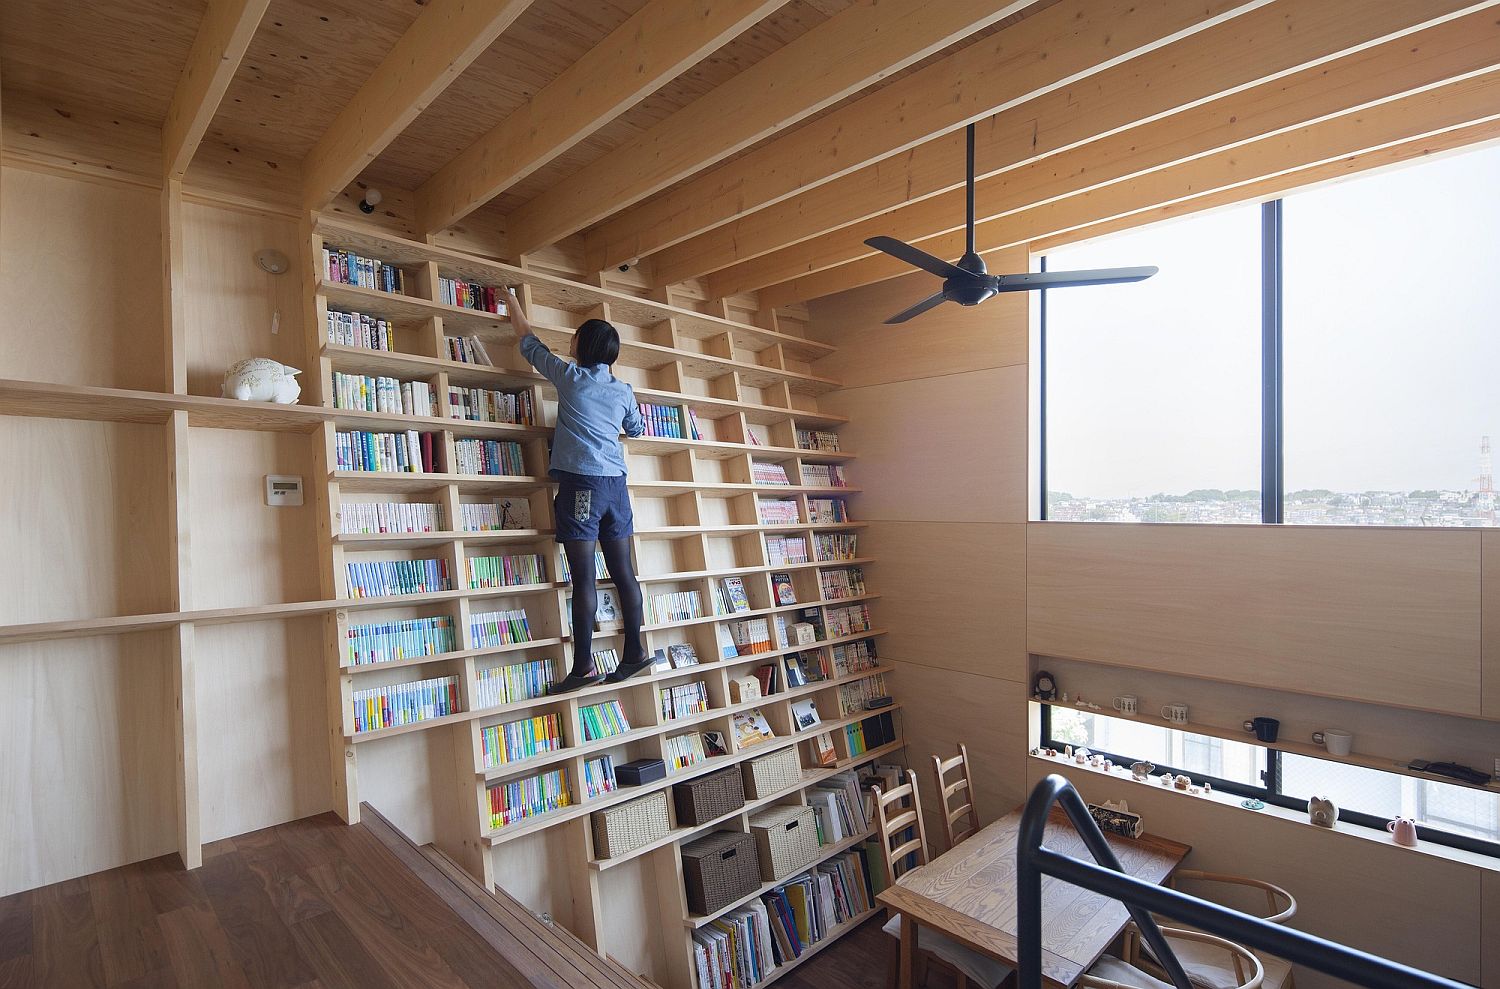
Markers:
1264,44
223,36
1046,50
658,43
1423,116
1452,50
444,39
839,57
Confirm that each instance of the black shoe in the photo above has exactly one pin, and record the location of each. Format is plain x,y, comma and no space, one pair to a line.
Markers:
573,682
625,671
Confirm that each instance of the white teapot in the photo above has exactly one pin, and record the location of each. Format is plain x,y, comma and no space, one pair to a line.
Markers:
261,379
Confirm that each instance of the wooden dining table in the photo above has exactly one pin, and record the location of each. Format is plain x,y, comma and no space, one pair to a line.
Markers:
969,894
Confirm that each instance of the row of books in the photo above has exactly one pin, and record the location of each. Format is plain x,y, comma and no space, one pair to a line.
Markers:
835,545
498,628
493,458
404,703
599,777
605,661
677,606
684,699
784,550
495,516
734,952
803,668
824,476
389,516
844,808
730,597
871,733
498,685
519,799
490,405
355,329
565,572
602,720
408,452
827,511
807,909
467,350
517,740
777,511
817,439
507,571
845,582
471,295
387,642
382,578
767,473
369,393
849,620
662,420
682,751
754,635
854,696
853,657
347,268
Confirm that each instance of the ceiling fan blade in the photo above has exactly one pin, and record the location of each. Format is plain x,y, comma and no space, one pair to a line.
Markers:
916,258
918,309
1072,279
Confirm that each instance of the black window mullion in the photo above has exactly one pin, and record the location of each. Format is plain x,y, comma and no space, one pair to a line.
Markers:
1041,377
1272,482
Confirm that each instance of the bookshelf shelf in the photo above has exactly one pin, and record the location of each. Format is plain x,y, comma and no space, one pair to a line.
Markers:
404,540
825,852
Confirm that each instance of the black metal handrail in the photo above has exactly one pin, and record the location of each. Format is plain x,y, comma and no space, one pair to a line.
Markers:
1141,899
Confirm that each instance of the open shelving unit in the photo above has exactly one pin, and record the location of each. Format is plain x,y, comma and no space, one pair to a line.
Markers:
744,396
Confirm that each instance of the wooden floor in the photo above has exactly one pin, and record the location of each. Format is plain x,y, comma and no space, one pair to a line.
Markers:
307,905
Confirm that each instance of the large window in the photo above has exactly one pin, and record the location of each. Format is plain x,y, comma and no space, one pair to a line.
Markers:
1446,813
1323,359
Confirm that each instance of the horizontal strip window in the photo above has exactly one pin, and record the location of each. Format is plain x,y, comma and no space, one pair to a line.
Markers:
1446,814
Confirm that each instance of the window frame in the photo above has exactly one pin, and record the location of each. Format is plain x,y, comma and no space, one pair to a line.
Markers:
1271,793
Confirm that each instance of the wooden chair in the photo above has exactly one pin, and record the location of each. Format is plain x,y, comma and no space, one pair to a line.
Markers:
943,770
898,819
1136,970
1206,966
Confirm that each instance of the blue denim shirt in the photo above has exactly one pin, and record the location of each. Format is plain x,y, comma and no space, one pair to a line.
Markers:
592,406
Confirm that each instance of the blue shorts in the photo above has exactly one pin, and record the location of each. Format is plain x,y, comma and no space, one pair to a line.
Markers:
590,507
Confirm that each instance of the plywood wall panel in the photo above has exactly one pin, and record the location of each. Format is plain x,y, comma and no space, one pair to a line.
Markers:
80,275
87,781
1387,616
1489,929
953,594
406,778
262,759
1490,629
950,448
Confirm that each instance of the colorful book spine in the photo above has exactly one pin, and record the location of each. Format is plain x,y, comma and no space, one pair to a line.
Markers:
602,720
606,661
355,329
678,606
784,550
380,394
662,420
387,642
491,629
468,350
853,696
827,511
767,473
599,776
370,517
510,684
565,573
383,578
854,657
824,476
520,799
818,439
506,571
684,750
409,452
845,582
517,740
684,699
485,405
849,620
471,295
347,268
405,703
776,511
495,458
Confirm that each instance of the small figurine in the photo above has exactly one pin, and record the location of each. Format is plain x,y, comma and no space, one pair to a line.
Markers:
1140,771
1322,812
1166,779
261,379
1182,782
1403,831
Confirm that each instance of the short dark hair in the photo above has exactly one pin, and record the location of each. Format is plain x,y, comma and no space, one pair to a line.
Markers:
598,343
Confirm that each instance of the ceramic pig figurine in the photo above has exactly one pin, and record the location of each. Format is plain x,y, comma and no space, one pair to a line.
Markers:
261,379
1322,812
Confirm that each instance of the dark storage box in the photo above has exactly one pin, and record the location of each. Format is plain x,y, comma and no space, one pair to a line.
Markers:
719,869
640,772
707,797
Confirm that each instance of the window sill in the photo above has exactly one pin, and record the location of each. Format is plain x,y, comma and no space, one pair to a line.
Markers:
1282,815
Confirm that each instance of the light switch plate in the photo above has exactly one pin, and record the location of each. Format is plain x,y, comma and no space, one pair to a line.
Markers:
283,490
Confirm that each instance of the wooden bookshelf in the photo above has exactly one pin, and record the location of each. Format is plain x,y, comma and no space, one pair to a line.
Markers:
749,392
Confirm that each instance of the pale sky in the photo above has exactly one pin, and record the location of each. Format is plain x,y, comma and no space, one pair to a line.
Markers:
1392,342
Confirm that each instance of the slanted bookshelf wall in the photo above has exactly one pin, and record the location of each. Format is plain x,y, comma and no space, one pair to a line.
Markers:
745,546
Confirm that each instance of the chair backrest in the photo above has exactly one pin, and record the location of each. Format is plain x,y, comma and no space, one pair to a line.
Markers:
1235,960
898,814
956,781
1281,905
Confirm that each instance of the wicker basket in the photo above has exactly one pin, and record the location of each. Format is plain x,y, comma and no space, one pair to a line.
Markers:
787,839
628,826
707,797
719,869
770,774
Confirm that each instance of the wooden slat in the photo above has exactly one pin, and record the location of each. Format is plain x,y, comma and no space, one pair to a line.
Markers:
1432,112
1307,34
444,39
223,36
658,43
1062,43
835,59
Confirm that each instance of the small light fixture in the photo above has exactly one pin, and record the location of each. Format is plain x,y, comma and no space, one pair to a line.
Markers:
372,199
273,261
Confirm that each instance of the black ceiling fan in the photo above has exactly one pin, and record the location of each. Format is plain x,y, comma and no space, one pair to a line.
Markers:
967,282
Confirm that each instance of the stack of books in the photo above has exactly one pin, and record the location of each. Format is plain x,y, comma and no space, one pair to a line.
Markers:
509,684
785,550
835,546
389,516
486,405
599,777
766,473
602,720
347,268
404,703
662,420
846,582
382,578
517,740
506,571
818,439
804,910
493,458
827,511
684,699
606,661
409,452
367,393
353,329
823,475
776,511
735,951
684,750
848,620
752,636
498,628
471,295
518,800
854,657
678,606
387,642
841,807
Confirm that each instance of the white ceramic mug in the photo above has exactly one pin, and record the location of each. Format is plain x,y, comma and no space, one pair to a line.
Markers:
1126,704
1337,741
1175,713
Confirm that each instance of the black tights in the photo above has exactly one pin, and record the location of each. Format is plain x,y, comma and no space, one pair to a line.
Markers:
586,599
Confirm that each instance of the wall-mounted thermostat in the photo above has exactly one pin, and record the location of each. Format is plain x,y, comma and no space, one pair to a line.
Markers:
283,490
